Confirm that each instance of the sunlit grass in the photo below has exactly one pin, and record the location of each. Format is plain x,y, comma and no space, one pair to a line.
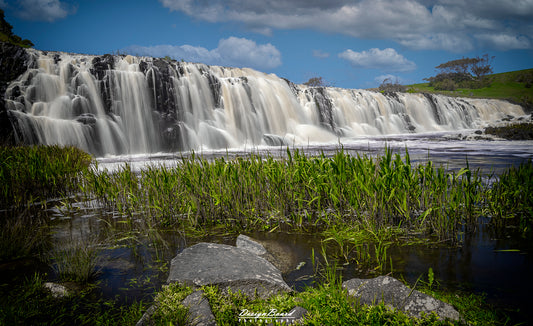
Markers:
37,173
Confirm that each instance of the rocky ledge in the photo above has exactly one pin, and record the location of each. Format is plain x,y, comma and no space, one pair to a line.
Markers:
247,267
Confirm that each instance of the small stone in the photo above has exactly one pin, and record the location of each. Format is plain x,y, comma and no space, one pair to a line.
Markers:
57,290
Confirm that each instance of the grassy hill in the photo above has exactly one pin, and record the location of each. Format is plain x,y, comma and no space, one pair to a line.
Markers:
514,86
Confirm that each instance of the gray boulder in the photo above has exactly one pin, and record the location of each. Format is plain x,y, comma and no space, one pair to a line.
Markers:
227,267
280,255
394,293
200,313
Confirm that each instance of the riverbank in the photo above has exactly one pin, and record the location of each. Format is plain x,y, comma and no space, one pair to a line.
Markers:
359,207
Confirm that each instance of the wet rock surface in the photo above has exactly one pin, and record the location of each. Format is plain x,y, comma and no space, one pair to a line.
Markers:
394,293
246,268
227,267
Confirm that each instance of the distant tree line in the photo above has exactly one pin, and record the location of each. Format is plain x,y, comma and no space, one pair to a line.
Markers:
463,73
6,34
317,82
389,86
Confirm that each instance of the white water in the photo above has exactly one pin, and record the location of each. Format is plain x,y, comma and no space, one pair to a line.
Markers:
63,102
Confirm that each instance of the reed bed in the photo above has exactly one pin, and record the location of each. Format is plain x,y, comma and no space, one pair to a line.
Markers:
37,173
297,193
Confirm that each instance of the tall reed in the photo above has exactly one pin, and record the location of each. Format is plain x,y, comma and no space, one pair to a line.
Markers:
295,193
36,173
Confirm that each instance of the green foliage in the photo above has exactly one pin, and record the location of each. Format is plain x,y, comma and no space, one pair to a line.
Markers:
473,307
170,310
77,260
317,82
6,34
388,86
23,235
514,86
463,73
30,303
36,173
334,195
509,199
444,85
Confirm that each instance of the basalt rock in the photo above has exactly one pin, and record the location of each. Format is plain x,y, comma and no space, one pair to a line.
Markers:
395,294
200,313
100,69
227,267
14,61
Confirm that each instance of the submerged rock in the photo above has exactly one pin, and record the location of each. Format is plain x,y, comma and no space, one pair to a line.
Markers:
394,293
227,267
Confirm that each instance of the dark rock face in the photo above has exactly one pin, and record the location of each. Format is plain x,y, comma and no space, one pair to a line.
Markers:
227,267
274,140
14,61
324,107
515,131
100,68
394,293
434,108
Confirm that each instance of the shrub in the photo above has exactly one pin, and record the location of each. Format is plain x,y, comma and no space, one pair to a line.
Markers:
445,85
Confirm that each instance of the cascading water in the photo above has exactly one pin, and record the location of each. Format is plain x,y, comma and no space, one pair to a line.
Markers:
123,104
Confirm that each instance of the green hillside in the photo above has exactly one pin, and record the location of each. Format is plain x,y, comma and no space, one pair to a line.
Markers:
515,86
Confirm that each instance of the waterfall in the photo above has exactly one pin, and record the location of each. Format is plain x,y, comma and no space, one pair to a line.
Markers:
123,104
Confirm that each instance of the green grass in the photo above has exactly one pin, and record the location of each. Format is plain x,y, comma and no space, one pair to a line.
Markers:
29,303
297,193
77,260
329,304
512,86
37,173
359,206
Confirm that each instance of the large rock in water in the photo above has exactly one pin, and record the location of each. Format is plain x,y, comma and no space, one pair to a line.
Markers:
394,293
227,267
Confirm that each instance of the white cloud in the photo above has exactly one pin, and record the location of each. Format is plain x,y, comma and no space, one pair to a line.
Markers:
320,54
504,41
43,10
387,59
442,24
232,51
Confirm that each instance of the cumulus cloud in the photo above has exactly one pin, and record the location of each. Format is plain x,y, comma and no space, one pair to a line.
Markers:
387,59
440,24
43,10
232,51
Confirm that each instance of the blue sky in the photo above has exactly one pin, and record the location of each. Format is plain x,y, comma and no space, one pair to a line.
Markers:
351,44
